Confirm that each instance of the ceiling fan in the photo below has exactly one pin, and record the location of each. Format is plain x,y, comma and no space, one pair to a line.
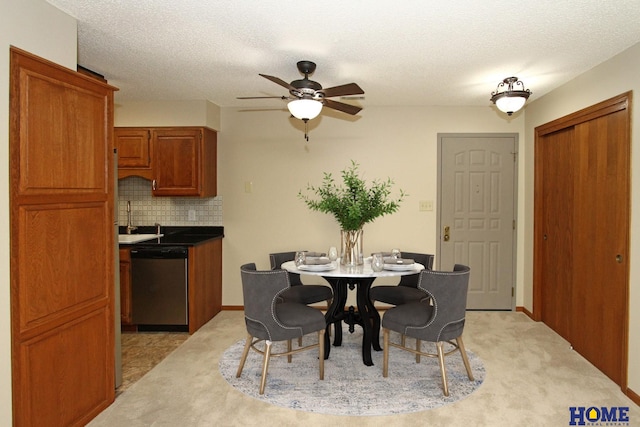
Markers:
308,97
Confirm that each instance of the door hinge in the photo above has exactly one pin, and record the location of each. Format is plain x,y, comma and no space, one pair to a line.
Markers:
514,224
515,156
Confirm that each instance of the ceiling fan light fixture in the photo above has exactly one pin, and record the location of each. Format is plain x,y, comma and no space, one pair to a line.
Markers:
305,109
510,95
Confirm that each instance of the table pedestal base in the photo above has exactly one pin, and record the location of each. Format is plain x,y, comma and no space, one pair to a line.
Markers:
367,316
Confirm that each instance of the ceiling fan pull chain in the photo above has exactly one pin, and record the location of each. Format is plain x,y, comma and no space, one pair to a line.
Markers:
306,129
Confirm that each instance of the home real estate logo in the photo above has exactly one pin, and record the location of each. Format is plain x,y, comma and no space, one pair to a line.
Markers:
602,416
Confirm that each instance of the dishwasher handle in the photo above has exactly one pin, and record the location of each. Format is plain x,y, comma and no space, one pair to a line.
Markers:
160,252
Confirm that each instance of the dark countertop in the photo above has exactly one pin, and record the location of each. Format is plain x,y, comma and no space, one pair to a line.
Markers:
176,235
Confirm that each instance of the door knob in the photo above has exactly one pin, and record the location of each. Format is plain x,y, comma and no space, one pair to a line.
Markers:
446,233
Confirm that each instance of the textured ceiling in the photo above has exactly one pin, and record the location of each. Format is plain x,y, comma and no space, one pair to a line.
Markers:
411,52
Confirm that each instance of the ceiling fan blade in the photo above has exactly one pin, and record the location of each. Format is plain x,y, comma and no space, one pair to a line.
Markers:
342,90
262,97
278,81
341,106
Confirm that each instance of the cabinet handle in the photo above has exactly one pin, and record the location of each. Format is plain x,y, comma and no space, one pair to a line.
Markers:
153,185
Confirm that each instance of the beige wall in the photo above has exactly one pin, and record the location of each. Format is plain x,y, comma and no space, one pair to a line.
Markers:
39,28
167,113
264,148
615,76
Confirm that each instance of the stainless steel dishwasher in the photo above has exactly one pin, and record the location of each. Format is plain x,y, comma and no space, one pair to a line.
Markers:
159,287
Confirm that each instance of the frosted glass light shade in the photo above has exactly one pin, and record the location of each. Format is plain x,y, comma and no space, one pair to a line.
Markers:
510,104
305,109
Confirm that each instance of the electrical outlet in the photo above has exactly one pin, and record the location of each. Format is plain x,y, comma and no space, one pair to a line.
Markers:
192,215
426,205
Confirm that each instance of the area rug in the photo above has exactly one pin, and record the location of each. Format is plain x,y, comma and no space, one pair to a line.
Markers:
350,387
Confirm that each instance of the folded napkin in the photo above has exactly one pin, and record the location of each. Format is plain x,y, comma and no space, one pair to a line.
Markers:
317,261
400,261
384,254
314,254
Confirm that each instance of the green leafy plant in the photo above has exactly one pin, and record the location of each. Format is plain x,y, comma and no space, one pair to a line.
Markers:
353,204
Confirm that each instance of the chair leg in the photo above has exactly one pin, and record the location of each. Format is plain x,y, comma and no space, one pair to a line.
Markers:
403,339
445,386
418,345
465,359
247,346
265,365
385,352
290,347
299,344
321,352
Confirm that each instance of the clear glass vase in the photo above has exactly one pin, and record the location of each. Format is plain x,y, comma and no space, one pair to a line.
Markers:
351,247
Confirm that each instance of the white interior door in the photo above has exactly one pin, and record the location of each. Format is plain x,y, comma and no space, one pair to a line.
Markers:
477,213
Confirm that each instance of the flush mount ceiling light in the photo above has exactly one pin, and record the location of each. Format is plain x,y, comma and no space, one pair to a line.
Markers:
305,109
510,95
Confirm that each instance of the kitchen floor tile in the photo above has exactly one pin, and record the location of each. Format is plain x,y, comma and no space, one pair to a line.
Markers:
142,351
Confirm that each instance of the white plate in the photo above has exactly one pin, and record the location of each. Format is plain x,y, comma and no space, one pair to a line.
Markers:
400,267
317,267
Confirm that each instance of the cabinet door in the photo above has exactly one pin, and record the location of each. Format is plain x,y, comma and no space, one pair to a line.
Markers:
125,287
177,162
134,153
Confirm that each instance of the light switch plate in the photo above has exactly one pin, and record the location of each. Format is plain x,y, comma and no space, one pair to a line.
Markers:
426,205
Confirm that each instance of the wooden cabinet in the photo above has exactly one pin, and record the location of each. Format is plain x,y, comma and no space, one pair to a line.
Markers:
180,161
62,261
125,286
134,152
205,283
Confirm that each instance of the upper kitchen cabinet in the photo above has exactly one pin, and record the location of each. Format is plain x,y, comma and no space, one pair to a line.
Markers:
134,152
181,161
184,162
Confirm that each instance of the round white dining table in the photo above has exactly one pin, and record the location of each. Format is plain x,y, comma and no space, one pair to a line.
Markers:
360,277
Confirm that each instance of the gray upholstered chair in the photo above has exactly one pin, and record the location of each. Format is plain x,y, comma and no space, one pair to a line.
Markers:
439,319
269,319
299,292
407,289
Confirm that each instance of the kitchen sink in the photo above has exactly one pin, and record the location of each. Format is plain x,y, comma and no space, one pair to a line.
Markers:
136,238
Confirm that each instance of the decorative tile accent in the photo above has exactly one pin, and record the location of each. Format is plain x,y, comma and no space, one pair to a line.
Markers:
148,210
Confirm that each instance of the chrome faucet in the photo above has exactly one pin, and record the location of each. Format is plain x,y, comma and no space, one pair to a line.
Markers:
130,227
158,228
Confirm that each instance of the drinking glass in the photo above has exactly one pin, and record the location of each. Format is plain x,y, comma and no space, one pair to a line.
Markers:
333,253
377,262
301,256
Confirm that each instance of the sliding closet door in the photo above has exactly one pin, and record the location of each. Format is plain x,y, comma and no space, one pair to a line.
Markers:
581,227
601,224
555,153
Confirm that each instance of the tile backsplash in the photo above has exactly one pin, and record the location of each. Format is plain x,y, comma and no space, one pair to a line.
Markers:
181,211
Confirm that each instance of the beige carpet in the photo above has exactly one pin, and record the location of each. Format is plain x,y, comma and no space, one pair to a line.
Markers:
532,378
